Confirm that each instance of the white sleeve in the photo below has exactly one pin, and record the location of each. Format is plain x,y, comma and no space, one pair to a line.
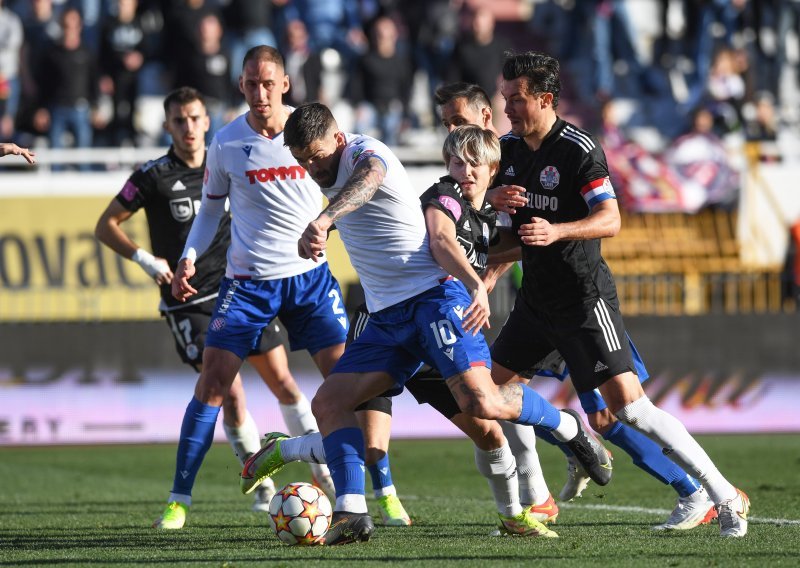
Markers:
213,207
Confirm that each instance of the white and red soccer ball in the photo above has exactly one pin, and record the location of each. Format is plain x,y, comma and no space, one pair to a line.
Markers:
300,514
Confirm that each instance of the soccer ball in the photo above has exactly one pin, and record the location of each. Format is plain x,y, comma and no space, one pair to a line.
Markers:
300,514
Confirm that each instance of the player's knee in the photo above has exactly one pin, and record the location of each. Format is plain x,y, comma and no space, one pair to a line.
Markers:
479,407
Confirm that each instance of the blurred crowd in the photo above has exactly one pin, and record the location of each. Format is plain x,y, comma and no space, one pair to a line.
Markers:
645,73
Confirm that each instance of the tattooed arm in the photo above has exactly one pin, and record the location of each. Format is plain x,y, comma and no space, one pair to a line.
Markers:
365,180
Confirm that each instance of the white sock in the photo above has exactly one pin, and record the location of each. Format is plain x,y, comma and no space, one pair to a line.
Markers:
567,429
300,421
522,441
180,498
679,446
384,491
499,469
243,439
306,448
351,503
298,417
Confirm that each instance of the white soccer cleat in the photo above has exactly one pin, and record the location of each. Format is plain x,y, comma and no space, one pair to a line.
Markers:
692,511
263,495
732,515
577,480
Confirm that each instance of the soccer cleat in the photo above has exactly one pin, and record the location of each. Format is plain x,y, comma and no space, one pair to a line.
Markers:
692,511
263,495
577,480
732,515
392,512
265,463
590,453
349,527
173,517
545,513
524,524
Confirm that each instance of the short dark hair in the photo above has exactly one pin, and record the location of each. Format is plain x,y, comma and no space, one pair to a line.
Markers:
307,123
264,52
183,96
474,94
540,70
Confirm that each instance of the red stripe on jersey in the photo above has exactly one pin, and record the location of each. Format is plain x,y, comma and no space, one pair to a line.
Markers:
592,185
478,364
212,196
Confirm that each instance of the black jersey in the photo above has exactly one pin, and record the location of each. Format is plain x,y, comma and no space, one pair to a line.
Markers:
564,179
170,192
475,230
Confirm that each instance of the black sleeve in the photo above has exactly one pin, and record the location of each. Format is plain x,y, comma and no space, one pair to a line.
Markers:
444,197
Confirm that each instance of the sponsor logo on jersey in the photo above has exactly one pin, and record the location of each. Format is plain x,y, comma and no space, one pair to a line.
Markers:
549,177
178,186
275,174
217,324
182,209
510,171
467,226
129,191
451,205
247,148
459,311
600,366
360,154
485,234
226,301
542,202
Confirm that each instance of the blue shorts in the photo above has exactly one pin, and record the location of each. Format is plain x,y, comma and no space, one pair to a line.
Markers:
426,328
310,306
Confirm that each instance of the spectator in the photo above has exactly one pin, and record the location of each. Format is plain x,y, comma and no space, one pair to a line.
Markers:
180,34
726,92
121,59
382,84
331,24
763,129
303,66
208,70
482,46
10,48
70,87
247,23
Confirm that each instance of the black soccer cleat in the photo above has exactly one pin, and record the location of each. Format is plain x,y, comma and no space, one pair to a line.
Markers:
590,453
349,527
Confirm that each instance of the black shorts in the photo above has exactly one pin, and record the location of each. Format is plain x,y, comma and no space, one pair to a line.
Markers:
590,336
189,325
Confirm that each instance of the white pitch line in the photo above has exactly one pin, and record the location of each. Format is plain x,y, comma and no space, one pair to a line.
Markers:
627,509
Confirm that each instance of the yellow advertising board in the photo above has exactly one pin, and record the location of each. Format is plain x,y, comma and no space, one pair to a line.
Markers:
53,269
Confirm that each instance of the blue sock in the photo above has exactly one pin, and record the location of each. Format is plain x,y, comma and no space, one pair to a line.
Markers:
647,455
344,450
536,411
548,437
380,473
197,433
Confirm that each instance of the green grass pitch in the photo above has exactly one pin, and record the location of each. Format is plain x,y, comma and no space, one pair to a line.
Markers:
92,506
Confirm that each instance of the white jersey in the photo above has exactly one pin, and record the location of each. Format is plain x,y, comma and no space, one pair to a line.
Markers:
386,238
272,201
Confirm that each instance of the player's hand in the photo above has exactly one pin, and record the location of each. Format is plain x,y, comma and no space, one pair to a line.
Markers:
164,275
477,314
181,289
506,198
538,233
7,148
314,240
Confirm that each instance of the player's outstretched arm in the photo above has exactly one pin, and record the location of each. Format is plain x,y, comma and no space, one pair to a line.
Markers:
450,256
365,180
7,148
109,232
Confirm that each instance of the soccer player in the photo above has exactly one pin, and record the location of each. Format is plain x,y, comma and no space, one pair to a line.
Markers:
9,148
463,103
169,191
419,312
568,298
